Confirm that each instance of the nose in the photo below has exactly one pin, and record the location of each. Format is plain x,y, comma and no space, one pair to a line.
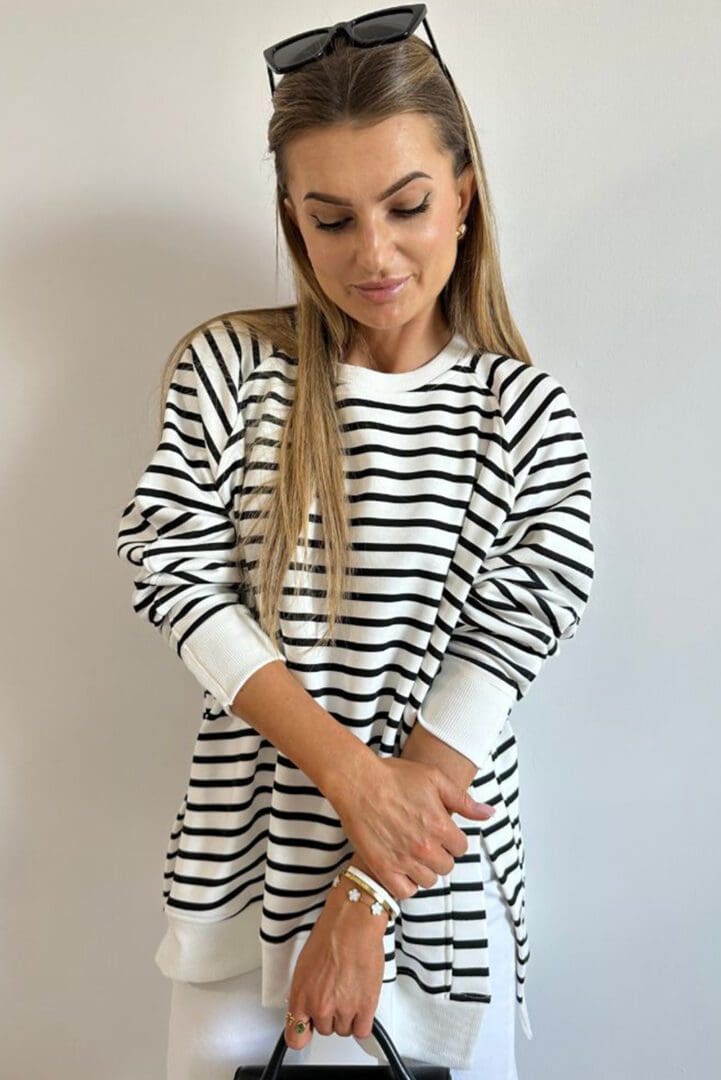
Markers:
375,242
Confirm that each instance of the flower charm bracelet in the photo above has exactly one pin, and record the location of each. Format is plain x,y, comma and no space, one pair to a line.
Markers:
363,885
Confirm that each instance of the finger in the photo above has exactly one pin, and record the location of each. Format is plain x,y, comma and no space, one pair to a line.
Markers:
459,801
363,1025
294,1038
343,1024
323,1023
422,874
425,878
405,887
468,807
441,865
440,862
455,841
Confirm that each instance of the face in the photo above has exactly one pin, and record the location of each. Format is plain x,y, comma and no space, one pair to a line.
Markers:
354,231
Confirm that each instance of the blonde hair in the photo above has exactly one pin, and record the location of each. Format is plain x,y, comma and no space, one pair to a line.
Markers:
360,87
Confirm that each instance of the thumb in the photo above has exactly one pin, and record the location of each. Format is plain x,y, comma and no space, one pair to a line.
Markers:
462,802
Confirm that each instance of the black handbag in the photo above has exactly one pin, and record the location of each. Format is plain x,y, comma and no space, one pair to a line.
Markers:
396,1069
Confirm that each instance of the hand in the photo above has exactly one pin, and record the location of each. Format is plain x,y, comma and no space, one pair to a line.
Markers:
396,814
339,973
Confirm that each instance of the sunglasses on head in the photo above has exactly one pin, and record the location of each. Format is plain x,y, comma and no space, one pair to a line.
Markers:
375,28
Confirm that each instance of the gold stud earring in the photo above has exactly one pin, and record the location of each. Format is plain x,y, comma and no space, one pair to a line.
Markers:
460,231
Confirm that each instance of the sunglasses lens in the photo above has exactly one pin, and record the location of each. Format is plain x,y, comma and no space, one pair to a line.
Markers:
368,31
297,52
381,27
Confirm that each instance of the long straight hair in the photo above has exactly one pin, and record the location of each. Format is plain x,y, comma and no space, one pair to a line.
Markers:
359,87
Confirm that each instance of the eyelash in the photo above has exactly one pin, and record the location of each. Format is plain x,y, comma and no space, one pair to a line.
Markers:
336,226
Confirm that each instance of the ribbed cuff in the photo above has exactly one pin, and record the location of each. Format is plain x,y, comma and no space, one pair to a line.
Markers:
465,709
226,649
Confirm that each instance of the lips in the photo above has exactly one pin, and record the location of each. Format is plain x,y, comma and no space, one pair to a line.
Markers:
384,293
385,283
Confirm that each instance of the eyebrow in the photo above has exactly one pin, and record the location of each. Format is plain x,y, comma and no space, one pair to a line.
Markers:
338,200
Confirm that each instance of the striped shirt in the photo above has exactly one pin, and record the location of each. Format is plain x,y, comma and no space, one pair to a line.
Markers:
470,499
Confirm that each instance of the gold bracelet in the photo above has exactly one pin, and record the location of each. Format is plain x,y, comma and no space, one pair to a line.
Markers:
367,889
376,907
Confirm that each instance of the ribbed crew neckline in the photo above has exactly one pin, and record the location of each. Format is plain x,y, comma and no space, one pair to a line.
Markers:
384,382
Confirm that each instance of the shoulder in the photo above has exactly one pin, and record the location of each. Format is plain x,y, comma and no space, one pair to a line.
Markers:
226,348
224,354
532,406
526,395
514,383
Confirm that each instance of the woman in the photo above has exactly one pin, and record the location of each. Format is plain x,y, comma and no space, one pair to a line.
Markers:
358,685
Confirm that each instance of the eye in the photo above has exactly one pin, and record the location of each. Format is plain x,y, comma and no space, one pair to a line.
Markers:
336,226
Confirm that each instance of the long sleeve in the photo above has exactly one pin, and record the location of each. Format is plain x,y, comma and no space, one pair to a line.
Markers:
535,581
177,532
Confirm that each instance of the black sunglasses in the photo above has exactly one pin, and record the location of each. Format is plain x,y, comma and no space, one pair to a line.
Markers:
375,28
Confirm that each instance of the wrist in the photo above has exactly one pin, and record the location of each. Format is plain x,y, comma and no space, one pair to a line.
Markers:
425,747
342,785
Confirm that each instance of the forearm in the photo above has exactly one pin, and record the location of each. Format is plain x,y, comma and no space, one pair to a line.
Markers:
278,706
421,745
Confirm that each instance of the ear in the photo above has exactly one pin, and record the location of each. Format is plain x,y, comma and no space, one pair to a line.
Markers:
467,188
289,208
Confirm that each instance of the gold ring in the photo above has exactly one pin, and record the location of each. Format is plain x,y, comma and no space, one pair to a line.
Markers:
300,1025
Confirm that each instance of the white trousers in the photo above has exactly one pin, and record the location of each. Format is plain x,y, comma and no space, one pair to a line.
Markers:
215,1027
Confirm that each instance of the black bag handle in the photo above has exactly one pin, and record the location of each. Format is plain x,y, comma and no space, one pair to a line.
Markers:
397,1069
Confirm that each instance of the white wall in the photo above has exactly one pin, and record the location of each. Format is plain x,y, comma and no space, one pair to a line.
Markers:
136,200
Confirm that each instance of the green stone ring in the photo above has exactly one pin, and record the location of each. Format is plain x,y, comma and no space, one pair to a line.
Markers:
300,1025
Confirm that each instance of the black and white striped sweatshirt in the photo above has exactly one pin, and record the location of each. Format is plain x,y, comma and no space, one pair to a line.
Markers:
470,496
